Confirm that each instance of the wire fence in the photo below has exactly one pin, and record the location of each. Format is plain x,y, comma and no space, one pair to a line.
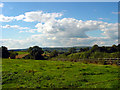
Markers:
105,61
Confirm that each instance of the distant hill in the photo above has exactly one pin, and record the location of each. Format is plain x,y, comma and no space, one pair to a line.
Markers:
62,49
17,50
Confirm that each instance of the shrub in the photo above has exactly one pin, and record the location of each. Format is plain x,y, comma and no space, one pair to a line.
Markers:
13,55
27,56
72,50
54,53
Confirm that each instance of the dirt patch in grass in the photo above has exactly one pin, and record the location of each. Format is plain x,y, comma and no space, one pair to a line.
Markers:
21,56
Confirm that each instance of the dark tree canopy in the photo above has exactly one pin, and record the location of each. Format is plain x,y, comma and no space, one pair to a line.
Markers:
95,48
13,54
119,47
54,53
35,52
72,50
84,49
4,52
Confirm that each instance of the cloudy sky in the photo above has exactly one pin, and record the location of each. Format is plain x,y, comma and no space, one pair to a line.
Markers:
58,24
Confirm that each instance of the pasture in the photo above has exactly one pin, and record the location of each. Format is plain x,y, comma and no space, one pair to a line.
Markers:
21,52
20,73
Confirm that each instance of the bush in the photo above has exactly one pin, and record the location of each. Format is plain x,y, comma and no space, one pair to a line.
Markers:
72,50
27,57
13,55
74,56
66,53
54,53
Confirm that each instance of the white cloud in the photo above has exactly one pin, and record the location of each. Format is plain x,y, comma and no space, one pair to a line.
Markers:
40,16
67,32
111,30
1,5
46,41
8,19
103,18
20,17
70,28
5,18
14,26
30,31
61,32
115,12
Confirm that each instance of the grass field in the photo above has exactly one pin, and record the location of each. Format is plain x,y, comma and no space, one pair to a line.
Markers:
21,52
19,73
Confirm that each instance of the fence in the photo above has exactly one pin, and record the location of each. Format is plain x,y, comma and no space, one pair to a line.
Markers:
104,61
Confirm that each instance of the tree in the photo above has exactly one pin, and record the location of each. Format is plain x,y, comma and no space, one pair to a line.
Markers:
66,53
4,52
103,49
118,47
29,49
72,50
84,49
81,50
13,54
36,53
54,53
95,48
114,48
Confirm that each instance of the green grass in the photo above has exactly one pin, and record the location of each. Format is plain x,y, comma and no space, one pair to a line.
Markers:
20,52
19,73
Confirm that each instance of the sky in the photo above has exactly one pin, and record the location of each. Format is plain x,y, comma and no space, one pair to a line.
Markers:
58,24
61,0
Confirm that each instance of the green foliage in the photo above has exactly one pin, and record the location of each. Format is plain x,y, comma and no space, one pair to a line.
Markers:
35,52
66,53
81,55
54,53
84,49
94,55
95,48
97,55
47,52
74,56
96,52
20,73
27,57
72,50
13,54
4,52
118,47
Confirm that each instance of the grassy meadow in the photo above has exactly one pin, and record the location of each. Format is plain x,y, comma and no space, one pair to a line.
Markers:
21,52
21,73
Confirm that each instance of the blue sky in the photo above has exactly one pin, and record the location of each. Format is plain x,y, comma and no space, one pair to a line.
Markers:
73,10
61,1
100,30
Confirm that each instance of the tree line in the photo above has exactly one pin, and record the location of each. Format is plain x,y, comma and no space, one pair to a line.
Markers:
37,52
